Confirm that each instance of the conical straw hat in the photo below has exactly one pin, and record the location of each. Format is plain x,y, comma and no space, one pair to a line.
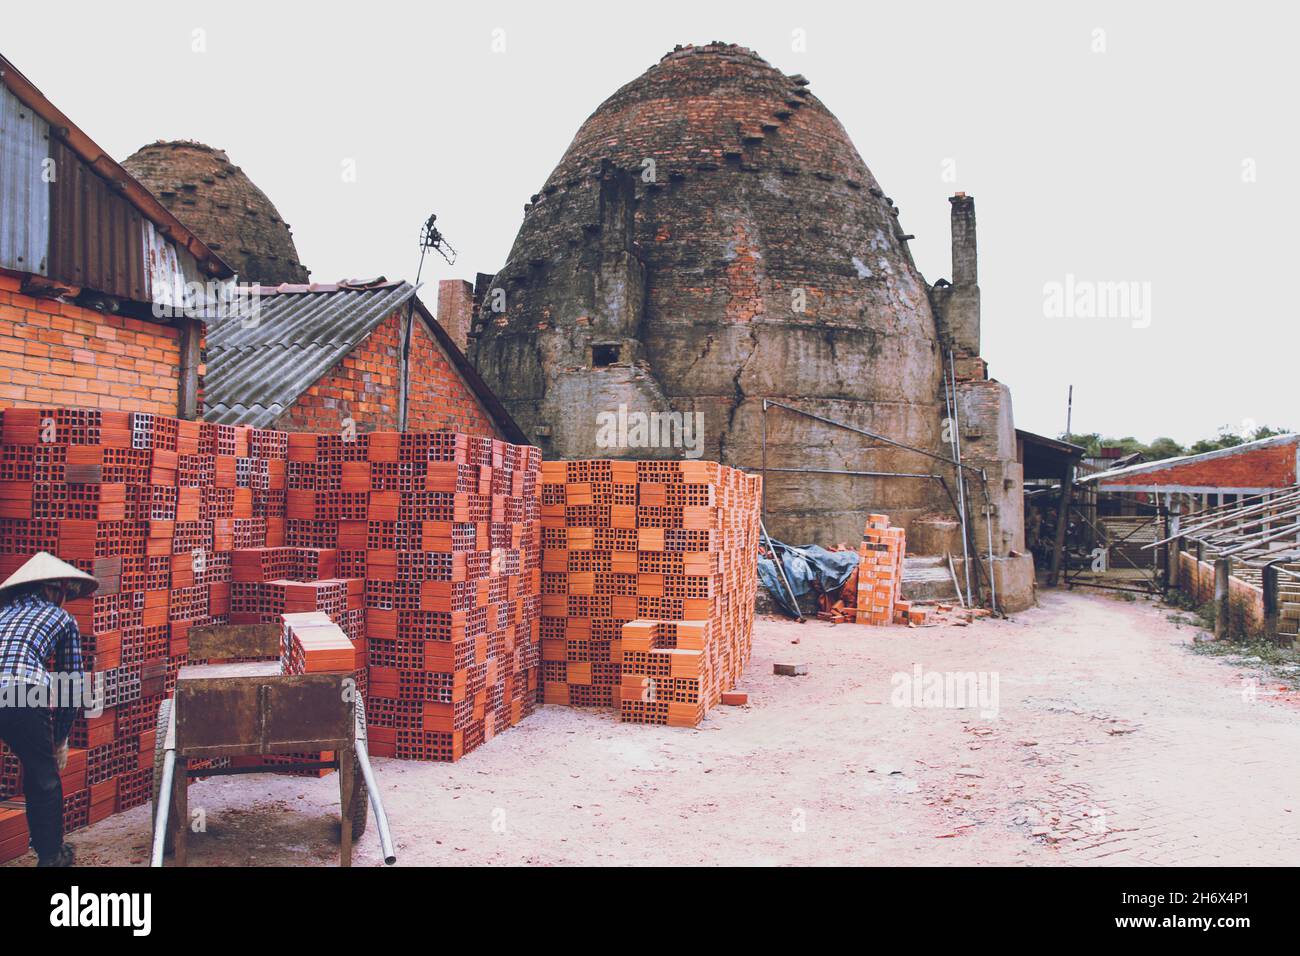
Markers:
44,566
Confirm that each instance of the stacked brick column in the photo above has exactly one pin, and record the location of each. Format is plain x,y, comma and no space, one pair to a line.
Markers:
647,586
154,508
880,571
453,556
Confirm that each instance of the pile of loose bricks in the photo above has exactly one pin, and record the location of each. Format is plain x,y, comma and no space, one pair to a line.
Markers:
880,576
648,582
459,578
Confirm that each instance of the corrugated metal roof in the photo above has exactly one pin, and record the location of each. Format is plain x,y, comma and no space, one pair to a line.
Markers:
96,234
24,189
256,370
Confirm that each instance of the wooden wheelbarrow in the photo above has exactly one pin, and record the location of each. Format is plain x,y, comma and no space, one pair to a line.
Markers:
252,709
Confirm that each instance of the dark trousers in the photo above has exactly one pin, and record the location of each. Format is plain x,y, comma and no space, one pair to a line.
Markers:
29,732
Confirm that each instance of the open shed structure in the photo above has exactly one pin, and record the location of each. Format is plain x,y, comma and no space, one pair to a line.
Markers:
1046,459
1233,530
1214,477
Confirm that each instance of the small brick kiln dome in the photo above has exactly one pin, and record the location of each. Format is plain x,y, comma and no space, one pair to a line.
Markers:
213,196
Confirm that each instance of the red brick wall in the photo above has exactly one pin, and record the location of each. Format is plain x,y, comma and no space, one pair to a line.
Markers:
365,385
54,353
1245,601
439,397
1270,467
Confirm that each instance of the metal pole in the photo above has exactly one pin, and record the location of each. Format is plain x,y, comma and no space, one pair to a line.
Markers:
161,811
961,484
952,451
863,431
993,589
763,497
780,568
948,399
955,583
853,474
376,804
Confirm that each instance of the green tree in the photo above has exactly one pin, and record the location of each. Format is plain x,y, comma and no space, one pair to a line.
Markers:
1164,447
1229,437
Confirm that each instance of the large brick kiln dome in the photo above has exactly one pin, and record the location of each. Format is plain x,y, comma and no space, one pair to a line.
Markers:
213,196
712,238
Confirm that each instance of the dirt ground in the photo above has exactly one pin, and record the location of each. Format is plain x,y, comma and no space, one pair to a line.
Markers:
1107,742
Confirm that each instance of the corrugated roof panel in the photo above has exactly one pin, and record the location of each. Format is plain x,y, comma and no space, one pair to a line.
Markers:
96,235
24,191
171,272
256,370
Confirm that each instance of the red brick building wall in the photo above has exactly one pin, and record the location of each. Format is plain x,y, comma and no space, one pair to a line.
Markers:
365,386
439,397
59,354
1273,466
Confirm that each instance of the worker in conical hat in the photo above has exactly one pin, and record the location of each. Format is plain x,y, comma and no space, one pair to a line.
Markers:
38,703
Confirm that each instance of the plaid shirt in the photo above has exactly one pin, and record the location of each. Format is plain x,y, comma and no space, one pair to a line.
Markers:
32,630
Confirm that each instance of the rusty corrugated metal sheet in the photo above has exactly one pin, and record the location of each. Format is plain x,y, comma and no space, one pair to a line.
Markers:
96,235
171,272
24,192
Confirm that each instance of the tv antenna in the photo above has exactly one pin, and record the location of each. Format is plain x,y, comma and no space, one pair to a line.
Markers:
432,238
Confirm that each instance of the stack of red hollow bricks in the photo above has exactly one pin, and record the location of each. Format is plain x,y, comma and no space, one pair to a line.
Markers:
880,576
648,584
423,549
414,560
154,508
434,536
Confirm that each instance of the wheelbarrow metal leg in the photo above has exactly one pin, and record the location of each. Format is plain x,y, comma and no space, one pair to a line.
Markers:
372,787
180,808
163,810
347,794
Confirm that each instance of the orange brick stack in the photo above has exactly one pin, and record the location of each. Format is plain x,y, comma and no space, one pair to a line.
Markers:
659,544
313,644
667,675
154,508
187,524
13,829
452,548
273,584
880,571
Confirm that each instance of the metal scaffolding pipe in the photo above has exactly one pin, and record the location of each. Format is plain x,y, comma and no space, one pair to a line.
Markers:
161,811
780,567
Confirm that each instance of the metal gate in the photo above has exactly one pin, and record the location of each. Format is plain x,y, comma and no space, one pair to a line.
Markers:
1109,564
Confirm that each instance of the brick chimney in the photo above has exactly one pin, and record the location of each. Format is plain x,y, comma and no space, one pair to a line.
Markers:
963,306
456,309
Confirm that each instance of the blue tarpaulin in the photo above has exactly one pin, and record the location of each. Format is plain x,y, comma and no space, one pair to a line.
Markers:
810,569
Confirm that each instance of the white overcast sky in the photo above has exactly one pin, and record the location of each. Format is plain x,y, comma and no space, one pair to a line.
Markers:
1117,166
